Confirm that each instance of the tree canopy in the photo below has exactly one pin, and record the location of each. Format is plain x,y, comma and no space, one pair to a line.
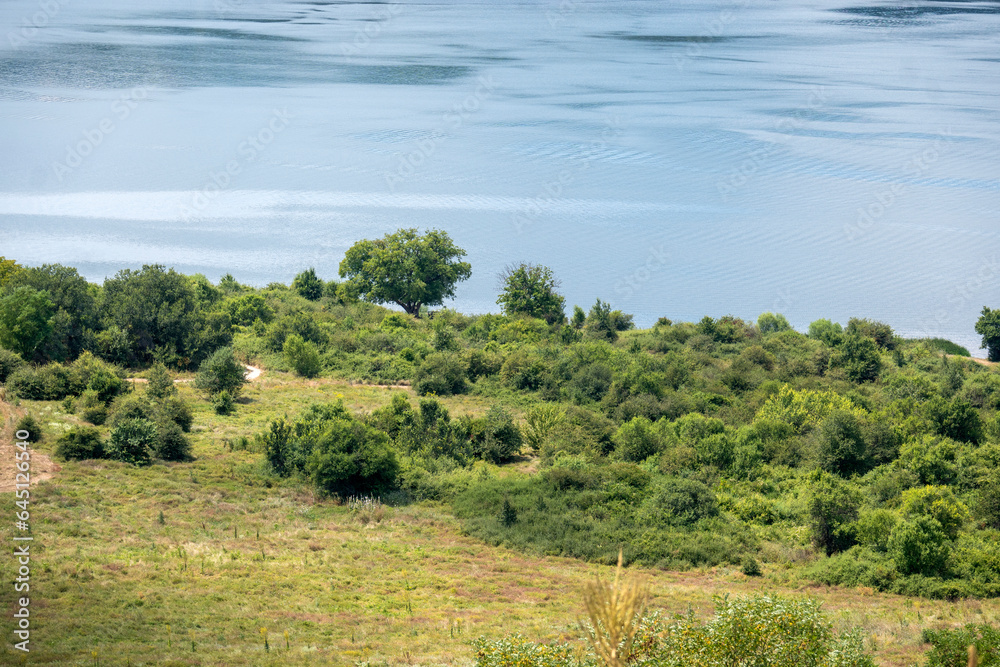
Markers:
25,320
530,289
988,326
406,269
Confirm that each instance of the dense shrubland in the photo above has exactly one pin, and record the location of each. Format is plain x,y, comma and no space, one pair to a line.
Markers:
847,453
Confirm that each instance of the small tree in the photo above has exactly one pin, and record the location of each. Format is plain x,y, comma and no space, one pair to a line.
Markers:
25,320
772,323
406,269
221,372
303,356
308,284
160,385
80,443
826,331
833,507
530,289
988,326
132,441
540,420
859,357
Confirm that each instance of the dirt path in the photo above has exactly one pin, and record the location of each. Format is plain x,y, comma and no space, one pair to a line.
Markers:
42,467
252,373
983,362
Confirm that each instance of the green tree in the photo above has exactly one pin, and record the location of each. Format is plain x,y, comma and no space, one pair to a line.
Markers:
602,322
842,446
75,305
25,320
221,372
308,285
155,308
8,268
772,323
826,331
988,326
132,441
920,546
160,384
349,457
833,508
859,357
955,419
529,289
303,356
247,309
406,269
635,440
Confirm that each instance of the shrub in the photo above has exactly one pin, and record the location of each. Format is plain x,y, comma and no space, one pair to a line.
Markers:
9,362
171,443
636,441
30,424
859,357
955,419
223,403
842,446
440,373
221,372
772,323
132,441
939,503
919,546
826,331
303,356
678,501
160,385
130,406
174,409
750,567
80,443
495,437
949,648
833,508
349,458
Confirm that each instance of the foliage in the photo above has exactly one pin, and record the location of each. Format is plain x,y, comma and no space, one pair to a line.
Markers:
919,546
10,361
604,323
26,319
80,443
828,332
859,357
159,383
530,289
406,269
772,323
988,326
540,420
442,374
833,508
303,356
842,446
950,648
615,611
221,372
495,437
246,309
308,285
132,441
30,423
171,443
805,409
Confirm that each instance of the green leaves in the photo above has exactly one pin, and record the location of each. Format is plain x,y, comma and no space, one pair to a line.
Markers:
406,269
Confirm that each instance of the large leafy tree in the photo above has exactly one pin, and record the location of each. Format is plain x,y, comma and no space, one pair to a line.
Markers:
158,313
8,268
529,289
75,307
25,320
988,327
406,269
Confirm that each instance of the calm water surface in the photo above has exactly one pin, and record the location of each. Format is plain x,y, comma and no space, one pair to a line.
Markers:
677,158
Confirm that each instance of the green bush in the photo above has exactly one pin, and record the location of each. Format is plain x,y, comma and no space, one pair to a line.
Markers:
80,443
174,409
833,509
949,648
9,362
303,356
495,437
920,546
130,406
171,443
132,441
30,424
636,441
159,383
442,374
221,372
678,501
223,403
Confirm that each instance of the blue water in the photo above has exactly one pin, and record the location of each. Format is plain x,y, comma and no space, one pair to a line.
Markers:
820,159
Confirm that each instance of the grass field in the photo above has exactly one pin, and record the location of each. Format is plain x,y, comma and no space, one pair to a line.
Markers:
184,564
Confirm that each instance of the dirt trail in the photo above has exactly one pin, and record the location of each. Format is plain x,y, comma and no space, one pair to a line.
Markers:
984,362
251,374
42,467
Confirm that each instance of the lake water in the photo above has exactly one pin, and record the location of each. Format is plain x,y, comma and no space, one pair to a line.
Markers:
675,158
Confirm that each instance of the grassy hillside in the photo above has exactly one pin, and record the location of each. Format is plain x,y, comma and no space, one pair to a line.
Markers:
238,550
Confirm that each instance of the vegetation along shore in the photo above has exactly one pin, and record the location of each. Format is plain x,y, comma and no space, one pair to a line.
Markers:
544,486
